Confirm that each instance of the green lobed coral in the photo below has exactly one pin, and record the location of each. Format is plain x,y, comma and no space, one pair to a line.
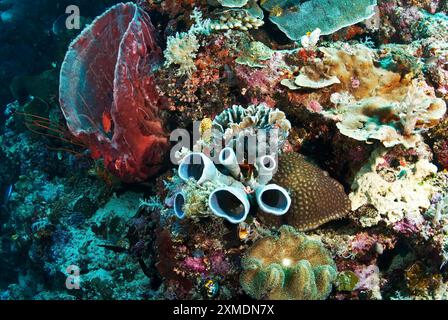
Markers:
289,266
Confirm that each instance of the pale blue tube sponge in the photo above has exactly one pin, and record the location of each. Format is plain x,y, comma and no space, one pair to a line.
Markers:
295,18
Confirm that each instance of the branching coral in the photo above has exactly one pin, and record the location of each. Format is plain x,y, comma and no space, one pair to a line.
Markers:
289,266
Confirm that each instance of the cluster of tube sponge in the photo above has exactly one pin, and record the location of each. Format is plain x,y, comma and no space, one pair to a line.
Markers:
232,198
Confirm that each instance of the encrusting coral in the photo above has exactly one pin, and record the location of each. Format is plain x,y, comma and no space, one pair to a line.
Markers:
254,53
289,266
316,197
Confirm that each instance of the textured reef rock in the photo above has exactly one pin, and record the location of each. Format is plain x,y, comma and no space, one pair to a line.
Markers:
108,96
290,266
197,261
371,103
396,193
384,106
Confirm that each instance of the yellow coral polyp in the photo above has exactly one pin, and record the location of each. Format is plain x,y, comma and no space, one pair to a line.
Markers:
276,11
206,124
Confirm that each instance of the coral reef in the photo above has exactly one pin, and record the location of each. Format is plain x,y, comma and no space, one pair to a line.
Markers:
310,162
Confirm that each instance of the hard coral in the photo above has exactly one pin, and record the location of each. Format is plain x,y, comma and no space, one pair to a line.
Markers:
236,123
316,197
108,96
289,266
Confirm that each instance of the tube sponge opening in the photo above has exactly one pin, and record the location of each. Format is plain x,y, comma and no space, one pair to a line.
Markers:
229,203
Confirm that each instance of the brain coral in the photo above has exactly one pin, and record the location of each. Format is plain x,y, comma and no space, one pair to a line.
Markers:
289,266
316,197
